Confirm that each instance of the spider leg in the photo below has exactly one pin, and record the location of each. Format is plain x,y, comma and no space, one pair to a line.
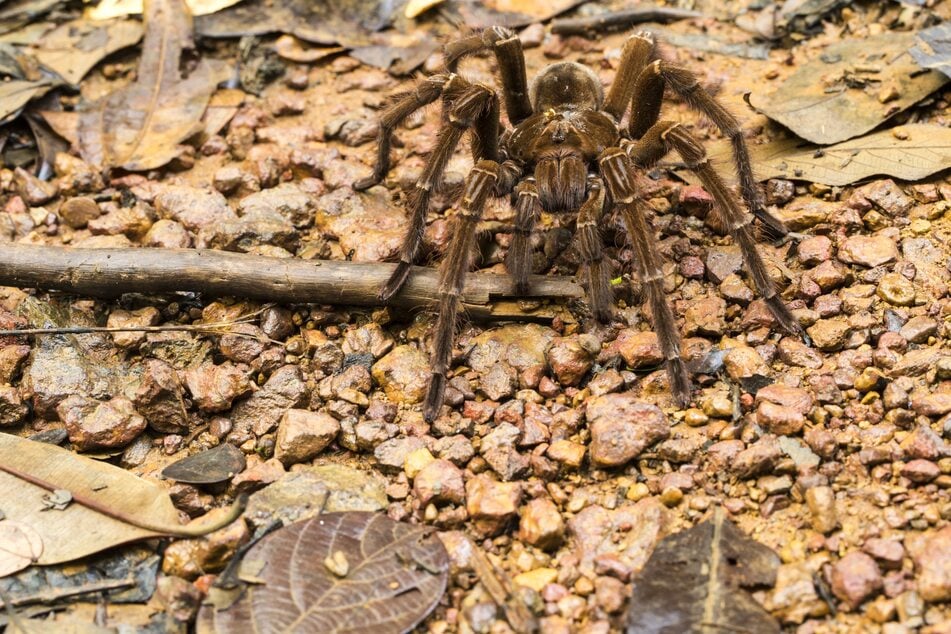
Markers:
618,170
480,184
508,52
685,83
424,94
518,261
637,52
600,294
466,105
736,220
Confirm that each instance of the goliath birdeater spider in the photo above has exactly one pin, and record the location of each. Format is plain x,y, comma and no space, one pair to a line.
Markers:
567,151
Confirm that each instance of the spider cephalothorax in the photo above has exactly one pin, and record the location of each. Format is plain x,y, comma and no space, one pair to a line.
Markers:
567,151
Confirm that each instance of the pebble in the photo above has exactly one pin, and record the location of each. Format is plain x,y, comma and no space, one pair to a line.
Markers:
896,289
12,408
541,524
302,435
194,208
855,578
760,458
491,504
931,552
705,317
391,454
189,558
536,579
622,427
722,262
743,361
814,250
416,461
829,334
794,598
167,234
870,251
821,503
258,476
919,329
567,453
639,349
77,212
261,412
628,533
159,398
403,374
93,424
214,387
440,482
889,553
569,360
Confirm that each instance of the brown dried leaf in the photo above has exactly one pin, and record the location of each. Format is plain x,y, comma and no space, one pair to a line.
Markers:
933,48
16,93
289,47
139,127
348,23
694,579
908,152
79,530
20,546
512,13
339,572
73,48
850,89
107,9
17,13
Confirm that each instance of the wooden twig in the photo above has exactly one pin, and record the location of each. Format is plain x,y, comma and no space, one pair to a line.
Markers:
113,272
619,20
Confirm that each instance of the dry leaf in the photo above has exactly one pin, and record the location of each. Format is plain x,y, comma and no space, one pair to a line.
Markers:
16,93
512,13
908,152
73,48
933,48
694,582
17,13
79,530
107,9
349,23
221,108
415,8
850,89
63,123
289,47
395,575
44,626
20,546
140,126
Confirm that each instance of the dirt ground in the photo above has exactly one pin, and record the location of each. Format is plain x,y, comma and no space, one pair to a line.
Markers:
560,451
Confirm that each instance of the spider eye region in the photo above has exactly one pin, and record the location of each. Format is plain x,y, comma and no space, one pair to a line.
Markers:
566,85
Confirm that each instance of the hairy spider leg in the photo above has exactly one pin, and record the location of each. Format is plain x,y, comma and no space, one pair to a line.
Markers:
511,60
528,208
590,243
736,220
618,172
638,51
687,86
465,106
480,184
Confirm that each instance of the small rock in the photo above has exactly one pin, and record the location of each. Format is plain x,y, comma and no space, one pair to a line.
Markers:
794,352
403,374
77,212
258,476
541,525
148,316
34,191
760,458
570,454
303,434
367,339
12,408
921,471
931,552
794,597
167,234
829,334
896,289
814,250
416,461
919,329
821,503
439,482
705,317
854,578
189,558
569,360
287,199
638,349
743,361
870,251
214,387
194,208
536,579
95,424
621,428
158,398
492,504
888,552
722,262
391,455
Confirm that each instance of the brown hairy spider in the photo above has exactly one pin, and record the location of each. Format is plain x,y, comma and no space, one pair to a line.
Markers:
568,152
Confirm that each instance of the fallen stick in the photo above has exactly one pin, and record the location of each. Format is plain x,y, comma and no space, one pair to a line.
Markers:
109,273
619,20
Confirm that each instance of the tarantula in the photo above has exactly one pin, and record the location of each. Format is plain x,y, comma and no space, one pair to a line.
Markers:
567,151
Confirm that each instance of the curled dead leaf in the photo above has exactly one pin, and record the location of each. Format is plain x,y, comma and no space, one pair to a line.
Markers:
20,546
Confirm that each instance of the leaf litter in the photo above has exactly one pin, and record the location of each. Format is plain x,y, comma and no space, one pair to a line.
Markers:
851,88
338,572
140,126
